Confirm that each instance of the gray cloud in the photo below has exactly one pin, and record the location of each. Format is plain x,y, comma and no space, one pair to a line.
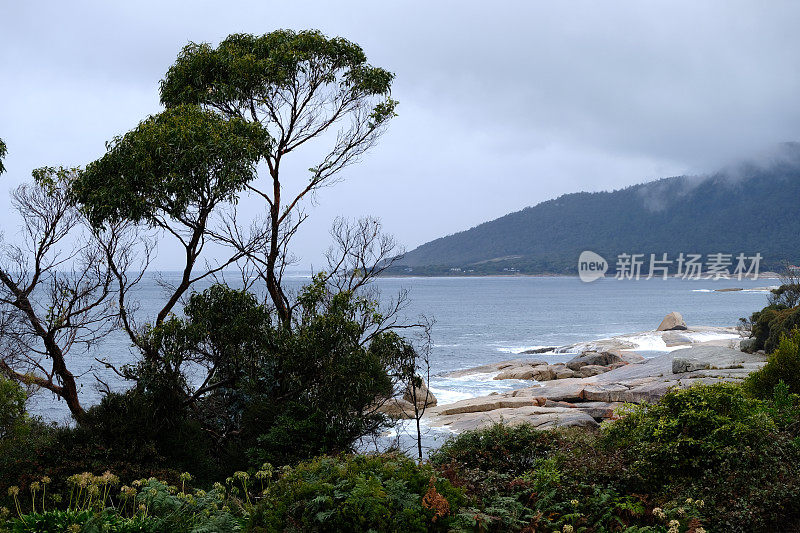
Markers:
502,105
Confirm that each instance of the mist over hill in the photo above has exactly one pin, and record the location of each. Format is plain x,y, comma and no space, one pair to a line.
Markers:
750,207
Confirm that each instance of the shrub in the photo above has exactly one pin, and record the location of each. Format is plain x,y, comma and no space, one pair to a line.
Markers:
12,407
358,493
782,365
689,430
771,324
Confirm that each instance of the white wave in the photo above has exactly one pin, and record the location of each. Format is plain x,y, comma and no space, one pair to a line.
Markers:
520,349
650,342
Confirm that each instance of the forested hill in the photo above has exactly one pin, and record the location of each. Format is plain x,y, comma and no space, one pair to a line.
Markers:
748,208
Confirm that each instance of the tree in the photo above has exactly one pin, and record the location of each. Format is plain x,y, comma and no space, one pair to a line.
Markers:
3,152
298,86
56,287
173,173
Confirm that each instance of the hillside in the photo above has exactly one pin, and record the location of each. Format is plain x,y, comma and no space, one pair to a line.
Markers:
747,208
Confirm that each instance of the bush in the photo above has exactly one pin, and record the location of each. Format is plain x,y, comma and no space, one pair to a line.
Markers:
12,408
771,324
689,431
358,493
783,365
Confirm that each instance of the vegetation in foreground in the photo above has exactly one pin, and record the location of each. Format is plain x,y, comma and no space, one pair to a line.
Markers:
706,458
289,383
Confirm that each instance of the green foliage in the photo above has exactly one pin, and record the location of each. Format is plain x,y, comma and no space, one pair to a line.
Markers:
245,67
783,366
358,493
771,324
3,152
183,158
690,430
12,408
154,508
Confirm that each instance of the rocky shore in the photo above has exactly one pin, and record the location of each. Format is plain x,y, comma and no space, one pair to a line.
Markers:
601,377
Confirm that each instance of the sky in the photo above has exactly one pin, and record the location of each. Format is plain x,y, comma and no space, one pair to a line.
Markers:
502,104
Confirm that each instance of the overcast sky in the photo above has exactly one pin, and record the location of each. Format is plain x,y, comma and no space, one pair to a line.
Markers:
502,104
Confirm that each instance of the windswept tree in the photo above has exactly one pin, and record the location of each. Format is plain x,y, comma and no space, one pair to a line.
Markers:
3,152
300,87
56,288
173,173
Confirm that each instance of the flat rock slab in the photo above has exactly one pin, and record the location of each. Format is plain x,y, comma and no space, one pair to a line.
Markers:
539,417
575,401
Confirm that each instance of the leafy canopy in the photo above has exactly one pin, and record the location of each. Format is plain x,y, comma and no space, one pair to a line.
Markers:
247,67
3,152
182,159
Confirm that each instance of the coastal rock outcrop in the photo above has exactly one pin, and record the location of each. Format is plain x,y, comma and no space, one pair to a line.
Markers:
423,395
672,321
579,400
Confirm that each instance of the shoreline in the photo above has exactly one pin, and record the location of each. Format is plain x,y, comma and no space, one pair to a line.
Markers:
595,380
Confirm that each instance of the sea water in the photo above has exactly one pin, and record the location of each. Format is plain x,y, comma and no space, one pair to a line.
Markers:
481,320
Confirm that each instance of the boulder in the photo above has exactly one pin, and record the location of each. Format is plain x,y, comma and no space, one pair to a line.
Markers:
563,372
397,408
591,370
488,403
423,394
539,417
747,345
683,364
594,359
521,371
672,321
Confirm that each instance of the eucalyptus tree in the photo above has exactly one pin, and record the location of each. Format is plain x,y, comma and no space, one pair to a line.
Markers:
172,173
3,152
56,290
300,87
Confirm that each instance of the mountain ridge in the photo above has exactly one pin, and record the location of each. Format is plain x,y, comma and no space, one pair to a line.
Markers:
751,207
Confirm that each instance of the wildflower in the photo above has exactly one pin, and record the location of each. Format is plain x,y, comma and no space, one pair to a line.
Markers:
186,476
142,507
108,478
689,501
46,480
13,490
35,486
200,493
700,530
4,512
74,528
94,490
574,503
674,524
680,511
219,486
700,503
568,529
226,509
659,513
243,476
137,483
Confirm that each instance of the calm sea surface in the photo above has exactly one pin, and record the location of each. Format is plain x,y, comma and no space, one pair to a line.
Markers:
480,320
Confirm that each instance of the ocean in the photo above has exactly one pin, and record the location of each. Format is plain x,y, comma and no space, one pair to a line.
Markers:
480,320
